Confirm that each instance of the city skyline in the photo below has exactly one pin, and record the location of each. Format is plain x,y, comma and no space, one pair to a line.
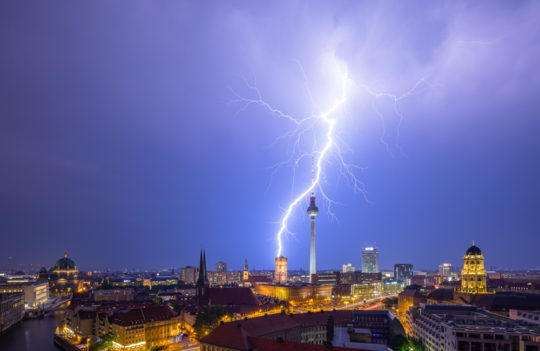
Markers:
122,144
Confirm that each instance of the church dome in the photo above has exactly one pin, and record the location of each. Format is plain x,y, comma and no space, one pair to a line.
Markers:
64,263
474,250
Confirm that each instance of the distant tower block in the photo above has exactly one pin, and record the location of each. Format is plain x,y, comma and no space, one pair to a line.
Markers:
280,276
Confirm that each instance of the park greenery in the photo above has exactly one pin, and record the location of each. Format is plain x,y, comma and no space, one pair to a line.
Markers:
210,319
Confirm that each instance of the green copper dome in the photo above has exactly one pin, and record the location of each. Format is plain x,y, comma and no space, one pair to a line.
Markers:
64,263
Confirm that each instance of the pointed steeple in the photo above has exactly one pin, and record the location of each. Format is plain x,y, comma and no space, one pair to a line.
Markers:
204,266
202,269
245,265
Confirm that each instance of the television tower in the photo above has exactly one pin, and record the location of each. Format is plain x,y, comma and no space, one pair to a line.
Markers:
312,212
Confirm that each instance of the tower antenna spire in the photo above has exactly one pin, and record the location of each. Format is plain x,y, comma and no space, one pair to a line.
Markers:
312,174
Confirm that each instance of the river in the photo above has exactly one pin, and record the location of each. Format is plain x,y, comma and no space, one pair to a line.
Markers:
31,335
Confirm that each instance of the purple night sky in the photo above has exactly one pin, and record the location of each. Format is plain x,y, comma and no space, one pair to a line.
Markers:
120,140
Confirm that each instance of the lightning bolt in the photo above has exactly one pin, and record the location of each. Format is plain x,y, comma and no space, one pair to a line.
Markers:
328,120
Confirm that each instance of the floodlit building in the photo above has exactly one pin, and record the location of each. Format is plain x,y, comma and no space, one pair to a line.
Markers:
136,328
164,280
365,289
280,275
145,328
35,294
296,293
245,275
65,276
409,298
348,268
473,275
370,260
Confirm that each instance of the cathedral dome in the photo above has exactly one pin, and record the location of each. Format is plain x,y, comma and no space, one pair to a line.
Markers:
474,250
64,264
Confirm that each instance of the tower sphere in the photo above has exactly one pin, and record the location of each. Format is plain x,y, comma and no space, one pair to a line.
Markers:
312,210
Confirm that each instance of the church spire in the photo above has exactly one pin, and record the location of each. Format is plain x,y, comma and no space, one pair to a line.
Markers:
202,269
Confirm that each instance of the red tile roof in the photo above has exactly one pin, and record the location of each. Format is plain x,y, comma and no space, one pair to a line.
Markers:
261,326
229,335
147,314
258,279
264,344
412,293
232,296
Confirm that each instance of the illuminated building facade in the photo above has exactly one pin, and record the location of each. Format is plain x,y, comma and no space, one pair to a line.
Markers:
145,328
473,275
312,211
135,328
366,289
445,270
65,276
329,278
370,260
348,268
295,293
403,272
280,275
35,294
409,298
221,267
189,274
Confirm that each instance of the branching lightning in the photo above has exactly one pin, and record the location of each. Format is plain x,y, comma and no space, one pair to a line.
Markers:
327,120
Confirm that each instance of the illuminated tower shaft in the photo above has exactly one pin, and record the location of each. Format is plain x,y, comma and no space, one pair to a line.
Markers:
312,212
280,275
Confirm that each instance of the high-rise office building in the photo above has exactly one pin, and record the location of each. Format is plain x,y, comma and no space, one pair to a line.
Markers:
370,260
445,270
221,267
403,272
189,274
348,268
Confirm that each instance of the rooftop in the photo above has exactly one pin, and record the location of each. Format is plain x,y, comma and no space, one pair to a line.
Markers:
234,334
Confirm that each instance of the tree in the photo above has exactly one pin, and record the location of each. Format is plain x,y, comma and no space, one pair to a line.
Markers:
103,344
209,319
400,343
